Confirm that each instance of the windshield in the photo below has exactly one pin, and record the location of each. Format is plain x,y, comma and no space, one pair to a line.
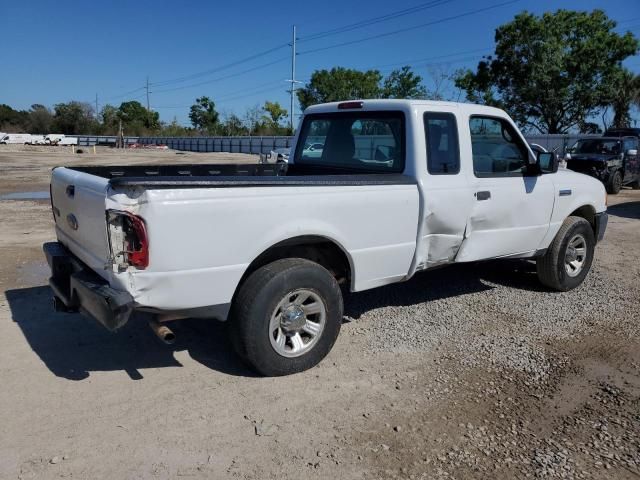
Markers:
363,141
596,145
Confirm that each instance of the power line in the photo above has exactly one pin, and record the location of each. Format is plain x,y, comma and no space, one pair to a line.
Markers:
374,20
193,76
217,98
407,29
218,79
116,97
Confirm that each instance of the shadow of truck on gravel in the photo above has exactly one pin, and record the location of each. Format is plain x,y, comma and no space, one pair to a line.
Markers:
72,346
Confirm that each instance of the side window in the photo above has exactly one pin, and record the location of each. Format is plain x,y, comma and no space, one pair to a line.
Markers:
443,153
497,148
630,144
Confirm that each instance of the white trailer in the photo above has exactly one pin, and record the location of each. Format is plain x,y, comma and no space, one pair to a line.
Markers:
68,141
19,138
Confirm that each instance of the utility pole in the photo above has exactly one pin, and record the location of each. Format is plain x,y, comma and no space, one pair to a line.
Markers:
96,105
147,89
293,80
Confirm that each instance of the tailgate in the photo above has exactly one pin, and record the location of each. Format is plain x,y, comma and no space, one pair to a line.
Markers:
78,201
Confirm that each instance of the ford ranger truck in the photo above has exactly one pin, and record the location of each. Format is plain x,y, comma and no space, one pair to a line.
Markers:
391,188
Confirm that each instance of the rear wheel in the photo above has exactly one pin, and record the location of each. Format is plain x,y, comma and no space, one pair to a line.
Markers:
286,317
636,185
615,183
569,257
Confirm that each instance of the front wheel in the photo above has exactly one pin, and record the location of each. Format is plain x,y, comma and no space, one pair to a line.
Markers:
286,317
569,257
615,183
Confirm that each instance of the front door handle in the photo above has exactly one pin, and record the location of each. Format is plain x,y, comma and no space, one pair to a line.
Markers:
484,195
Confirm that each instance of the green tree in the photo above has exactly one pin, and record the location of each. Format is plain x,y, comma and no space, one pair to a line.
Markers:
203,115
74,118
40,119
109,118
253,120
233,126
137,119
403,83
13,120
339,84
552,72
625,94
273,115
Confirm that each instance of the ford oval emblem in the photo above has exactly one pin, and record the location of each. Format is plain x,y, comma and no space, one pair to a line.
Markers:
72,221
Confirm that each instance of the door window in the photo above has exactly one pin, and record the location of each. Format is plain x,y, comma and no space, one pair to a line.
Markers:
443,154
497,149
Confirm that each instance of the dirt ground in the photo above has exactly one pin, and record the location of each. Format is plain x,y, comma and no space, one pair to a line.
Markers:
469,372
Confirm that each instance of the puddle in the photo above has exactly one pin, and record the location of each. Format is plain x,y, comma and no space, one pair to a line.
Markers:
40,195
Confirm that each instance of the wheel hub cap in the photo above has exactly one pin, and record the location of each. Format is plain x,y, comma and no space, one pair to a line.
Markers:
297,322
293,319
575,255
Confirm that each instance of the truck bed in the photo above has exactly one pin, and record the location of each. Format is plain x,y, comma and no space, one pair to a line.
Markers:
235,175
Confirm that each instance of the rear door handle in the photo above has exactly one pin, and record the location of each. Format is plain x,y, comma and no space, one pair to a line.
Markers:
484,195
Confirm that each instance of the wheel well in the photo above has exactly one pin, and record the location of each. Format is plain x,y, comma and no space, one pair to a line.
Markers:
317,249
588,213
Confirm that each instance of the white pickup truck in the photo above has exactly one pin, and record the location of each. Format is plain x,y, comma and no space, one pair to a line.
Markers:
399,187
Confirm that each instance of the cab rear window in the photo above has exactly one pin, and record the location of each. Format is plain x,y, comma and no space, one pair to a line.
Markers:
360,141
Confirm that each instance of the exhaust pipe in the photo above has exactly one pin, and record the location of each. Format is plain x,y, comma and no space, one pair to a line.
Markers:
163,332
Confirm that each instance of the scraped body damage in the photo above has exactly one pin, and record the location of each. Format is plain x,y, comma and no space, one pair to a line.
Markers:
445,214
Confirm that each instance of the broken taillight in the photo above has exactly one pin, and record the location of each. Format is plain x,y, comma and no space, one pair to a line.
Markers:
128,239
137,247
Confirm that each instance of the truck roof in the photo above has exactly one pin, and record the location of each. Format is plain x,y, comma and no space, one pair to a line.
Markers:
403,104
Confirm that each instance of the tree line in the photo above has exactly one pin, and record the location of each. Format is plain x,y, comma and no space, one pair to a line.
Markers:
555,73
80,118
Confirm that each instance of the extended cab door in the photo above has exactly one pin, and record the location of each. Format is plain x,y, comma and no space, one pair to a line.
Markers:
511,210
447,193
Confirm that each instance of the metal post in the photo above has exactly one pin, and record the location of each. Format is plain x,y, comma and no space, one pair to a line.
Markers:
147,88
96,105
293,78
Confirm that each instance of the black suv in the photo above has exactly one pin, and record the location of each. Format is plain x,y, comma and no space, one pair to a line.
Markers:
613,160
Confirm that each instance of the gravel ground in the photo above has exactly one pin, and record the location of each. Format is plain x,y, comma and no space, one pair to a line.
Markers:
473,371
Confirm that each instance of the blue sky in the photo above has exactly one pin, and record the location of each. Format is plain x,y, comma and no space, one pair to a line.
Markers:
71,50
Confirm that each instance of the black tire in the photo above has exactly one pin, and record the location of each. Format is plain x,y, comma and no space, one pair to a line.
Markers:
614,185
257,300
636,185
551,266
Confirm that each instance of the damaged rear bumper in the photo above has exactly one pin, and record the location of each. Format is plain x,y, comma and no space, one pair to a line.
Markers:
78,288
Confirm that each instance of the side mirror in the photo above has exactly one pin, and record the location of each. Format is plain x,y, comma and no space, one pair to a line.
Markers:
632,152
547,162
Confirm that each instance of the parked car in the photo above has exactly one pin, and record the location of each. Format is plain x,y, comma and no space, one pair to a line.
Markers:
271,248
313,150
19,138
613,160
